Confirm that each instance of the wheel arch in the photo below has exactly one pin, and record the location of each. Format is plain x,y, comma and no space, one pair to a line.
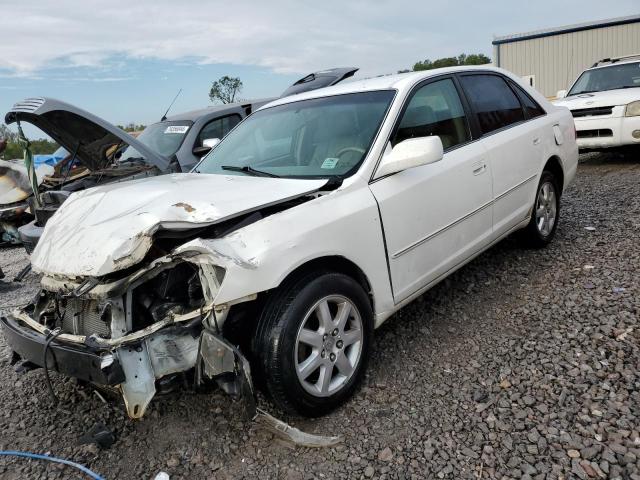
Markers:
334,263
554,165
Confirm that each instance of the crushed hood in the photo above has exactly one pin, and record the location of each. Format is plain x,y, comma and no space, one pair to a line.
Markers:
608,98
74,128
109,228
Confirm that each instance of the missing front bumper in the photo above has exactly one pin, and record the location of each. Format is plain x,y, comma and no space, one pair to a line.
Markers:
135,367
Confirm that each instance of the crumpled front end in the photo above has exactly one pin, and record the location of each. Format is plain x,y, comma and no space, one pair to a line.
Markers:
138,332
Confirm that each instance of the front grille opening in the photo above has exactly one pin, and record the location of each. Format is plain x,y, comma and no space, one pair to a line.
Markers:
591,112
85,317
597,133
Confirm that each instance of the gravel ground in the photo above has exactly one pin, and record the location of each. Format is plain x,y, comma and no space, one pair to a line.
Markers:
524,364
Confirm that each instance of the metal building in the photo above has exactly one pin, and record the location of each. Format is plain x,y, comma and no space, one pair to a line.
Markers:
551,59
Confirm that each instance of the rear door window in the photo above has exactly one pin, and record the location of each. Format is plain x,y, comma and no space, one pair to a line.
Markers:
495,104
435,109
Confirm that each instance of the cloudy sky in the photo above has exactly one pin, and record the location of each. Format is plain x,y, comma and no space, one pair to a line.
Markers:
125,60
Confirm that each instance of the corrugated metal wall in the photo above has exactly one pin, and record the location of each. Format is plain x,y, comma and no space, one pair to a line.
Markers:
557,60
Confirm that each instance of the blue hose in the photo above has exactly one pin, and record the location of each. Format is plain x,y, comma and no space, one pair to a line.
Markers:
13,453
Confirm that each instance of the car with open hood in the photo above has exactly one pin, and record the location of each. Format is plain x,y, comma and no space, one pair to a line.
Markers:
103,153
605,104
92,148
306,227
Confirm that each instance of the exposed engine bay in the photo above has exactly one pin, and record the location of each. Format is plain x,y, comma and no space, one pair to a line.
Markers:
150,328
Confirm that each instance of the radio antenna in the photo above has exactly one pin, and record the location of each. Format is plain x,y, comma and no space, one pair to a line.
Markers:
164,117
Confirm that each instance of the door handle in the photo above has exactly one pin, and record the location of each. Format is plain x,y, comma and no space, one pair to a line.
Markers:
479,168
536,141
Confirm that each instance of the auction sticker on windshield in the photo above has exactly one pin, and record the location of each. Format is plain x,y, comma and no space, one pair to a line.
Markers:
177,129
329,163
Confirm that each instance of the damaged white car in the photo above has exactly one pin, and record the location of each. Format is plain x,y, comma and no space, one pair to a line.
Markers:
309,225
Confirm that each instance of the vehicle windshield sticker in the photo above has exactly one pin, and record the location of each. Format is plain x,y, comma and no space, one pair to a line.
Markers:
176,129
329,163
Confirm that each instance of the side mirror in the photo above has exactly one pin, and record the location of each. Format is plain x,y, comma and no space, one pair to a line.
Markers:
210,142
561,94
410,153
207,145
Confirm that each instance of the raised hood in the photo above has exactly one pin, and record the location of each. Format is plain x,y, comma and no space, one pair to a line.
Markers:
109,228
608,98
73,128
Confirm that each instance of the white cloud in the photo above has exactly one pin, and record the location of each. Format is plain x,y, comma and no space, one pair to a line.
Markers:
288,36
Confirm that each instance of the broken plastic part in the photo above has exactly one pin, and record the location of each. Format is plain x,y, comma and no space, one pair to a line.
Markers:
222,362
294,435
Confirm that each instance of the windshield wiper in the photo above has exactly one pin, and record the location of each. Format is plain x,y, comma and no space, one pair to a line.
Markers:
249,170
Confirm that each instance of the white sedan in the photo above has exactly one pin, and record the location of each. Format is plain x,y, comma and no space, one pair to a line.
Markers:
309,225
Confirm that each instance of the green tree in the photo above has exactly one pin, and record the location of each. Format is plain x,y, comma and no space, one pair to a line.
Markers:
225,89
14,149
462,59
132,127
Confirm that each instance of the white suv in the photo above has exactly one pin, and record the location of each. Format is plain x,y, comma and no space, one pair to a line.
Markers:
605,103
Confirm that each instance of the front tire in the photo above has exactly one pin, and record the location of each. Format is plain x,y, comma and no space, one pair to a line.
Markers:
312,342
545,214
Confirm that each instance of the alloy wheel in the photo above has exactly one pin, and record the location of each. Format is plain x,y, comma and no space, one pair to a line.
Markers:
328,345
546,208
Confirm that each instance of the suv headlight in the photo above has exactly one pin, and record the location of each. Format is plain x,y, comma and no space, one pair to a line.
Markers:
633,109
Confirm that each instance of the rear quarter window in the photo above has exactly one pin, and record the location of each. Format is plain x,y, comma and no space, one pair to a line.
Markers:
531,107
495,104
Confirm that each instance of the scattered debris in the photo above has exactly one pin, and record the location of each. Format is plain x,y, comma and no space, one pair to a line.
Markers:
298,437
100,435
618,289
161,476
590,229
99,395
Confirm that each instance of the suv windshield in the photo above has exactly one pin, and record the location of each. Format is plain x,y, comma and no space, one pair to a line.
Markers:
320,137
626,75
164,138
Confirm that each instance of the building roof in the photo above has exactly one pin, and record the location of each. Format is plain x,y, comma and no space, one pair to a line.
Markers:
578,27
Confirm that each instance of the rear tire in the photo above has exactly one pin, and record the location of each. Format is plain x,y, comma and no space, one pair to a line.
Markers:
545,214
312,342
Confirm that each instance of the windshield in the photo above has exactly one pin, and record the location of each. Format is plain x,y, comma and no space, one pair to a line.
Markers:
164,138
321,137
626,75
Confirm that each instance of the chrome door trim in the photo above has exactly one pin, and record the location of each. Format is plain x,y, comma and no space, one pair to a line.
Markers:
507,192
442,230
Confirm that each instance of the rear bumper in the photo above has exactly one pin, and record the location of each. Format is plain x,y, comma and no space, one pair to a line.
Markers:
80,362
607,132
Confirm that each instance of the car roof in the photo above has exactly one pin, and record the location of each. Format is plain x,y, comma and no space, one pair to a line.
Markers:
221,110
397,81
622,61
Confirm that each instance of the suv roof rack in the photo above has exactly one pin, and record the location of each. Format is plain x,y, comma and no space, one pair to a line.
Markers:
615,59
